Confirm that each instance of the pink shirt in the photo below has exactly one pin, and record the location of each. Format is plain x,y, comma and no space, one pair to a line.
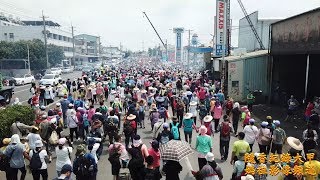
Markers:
99,90
217,112
156,157
91,113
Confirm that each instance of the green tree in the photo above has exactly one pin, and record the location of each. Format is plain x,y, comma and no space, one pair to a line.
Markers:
55,54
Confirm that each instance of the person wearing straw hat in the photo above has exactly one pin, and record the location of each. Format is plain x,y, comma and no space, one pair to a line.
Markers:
129,127
5,166
207,123
193,110
188,125
32,137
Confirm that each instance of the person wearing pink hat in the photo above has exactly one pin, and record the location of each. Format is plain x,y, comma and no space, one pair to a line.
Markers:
203,146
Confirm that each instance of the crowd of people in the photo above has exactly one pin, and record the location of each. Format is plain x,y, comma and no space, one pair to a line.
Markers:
107,107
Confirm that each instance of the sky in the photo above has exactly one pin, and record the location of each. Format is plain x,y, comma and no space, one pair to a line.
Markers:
122,21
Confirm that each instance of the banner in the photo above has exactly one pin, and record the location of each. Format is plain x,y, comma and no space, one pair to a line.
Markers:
220,27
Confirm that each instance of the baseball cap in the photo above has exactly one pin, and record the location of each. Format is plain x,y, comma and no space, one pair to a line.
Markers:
66,168
165,125
251,120
276,122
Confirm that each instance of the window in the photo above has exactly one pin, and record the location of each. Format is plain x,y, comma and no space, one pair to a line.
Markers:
60,37
54,36
11,35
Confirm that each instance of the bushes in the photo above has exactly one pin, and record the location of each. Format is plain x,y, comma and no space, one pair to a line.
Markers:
9,115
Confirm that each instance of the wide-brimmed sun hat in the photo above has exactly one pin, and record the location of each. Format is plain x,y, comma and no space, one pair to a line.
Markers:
131,117
143,91
209,157
295,143
207,118
188,115
193,103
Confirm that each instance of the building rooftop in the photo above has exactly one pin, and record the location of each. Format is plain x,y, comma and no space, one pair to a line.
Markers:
40,23
246,56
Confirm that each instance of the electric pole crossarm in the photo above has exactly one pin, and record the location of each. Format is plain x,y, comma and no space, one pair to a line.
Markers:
251,24
155,30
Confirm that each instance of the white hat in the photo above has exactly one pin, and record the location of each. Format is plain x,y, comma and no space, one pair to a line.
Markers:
207,118
247,177
143,91
113,92
136,89
193,103
295,143
70,105
188,116
38,143
209,157
131,117
58,104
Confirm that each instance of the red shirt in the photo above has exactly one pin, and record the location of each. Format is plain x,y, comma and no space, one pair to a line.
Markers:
156,157
202,94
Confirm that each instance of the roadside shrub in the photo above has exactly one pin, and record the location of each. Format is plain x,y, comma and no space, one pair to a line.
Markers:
9,115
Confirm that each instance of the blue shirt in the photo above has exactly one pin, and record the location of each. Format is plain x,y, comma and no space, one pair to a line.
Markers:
15,151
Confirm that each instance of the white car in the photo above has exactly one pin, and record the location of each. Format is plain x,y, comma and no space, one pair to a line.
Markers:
67,70
50,79
24,79
56,71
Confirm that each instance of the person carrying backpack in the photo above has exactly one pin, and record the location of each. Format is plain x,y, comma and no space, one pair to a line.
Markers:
138,152
84,165
154,117
202,112
129,127
165,136
151,173
112,126
225,128
174,128
38,165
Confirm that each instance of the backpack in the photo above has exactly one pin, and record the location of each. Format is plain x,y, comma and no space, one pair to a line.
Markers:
164,138
175,131
149,174
5,161
124,174
111,125
279,135
225,129
137,151
85,120
85,166
202,110
114,154
127,128
116,107
35,162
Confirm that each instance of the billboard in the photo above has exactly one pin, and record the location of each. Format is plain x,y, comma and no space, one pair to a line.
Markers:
178,32
297,35
220,23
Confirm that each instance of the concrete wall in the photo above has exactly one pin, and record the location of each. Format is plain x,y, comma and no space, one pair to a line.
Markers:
247,38
235,80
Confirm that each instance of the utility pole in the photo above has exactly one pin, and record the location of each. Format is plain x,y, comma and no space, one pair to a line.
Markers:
73,47
189,39
45,38
28,58
223,79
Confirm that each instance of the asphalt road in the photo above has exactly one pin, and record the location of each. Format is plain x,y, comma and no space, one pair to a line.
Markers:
104,167
23,92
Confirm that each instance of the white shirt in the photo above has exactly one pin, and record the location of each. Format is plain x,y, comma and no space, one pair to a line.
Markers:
193,110
42,154
93,152
32,138
94,91
63,157
251,132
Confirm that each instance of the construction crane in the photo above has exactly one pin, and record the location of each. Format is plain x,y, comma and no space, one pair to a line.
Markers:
251,25
164,45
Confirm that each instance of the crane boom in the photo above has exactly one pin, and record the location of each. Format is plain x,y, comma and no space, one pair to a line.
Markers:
164,45
251,25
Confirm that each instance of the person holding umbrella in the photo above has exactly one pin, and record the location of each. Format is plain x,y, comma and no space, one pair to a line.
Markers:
203,146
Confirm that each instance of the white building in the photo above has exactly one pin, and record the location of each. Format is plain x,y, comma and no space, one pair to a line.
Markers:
34,30
247,39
